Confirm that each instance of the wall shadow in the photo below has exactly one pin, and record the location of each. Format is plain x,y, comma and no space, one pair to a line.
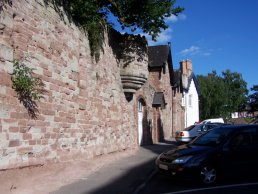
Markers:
147,130
123,176
160,130
135,176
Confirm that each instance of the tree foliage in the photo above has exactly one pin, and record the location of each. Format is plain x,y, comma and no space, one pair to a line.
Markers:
149,15
221,95
253,98
236,90
92,16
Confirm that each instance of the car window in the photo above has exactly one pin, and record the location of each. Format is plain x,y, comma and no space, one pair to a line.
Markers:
240,139
245,137
189,128
254,136
206,127
213,137
199,127
211,126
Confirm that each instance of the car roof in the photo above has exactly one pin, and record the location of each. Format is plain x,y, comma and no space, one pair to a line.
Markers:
214,124
238,126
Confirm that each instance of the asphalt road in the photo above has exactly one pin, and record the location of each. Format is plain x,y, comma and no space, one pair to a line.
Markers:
160,184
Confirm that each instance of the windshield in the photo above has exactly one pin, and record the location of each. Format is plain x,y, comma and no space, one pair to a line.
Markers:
213,137
189,128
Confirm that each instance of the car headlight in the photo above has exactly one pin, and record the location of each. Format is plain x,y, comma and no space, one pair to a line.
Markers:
181,160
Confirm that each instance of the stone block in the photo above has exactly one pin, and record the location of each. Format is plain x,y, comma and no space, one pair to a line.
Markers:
14,143
6,53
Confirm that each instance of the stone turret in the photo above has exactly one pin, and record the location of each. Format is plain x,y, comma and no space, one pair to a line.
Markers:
131,52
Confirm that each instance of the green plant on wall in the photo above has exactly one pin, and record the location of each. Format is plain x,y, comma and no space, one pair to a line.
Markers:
88,16
28,87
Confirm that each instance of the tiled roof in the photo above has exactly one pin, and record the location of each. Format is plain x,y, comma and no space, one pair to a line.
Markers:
177,81
158,55
195,83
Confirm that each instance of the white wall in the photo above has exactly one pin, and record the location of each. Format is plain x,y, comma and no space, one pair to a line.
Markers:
191,105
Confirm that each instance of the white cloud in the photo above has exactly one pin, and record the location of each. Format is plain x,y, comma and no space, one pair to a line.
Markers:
166,35
173,18
206,54
163,38
193,50
182,17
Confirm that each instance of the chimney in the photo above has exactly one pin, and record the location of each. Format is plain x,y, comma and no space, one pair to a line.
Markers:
186,67
186,70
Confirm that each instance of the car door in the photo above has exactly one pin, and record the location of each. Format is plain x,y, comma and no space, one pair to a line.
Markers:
240,154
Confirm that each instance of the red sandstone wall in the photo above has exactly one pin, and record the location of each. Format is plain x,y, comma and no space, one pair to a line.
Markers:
84,111
178,112
167,112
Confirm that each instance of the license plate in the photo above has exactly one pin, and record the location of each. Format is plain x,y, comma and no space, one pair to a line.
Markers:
164,167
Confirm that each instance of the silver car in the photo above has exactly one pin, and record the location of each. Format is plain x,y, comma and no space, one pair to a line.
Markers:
193,131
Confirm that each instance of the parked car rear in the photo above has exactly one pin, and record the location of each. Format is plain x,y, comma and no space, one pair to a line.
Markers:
193,131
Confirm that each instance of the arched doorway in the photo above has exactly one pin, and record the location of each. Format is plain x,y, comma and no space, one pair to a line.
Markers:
140,121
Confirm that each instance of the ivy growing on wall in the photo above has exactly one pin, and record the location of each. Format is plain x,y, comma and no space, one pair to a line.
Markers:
29,88
94,16
87,15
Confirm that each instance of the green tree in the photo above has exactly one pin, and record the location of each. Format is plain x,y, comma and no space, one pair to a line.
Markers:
253,98
221,95
236,90
93,16
149,15
212,94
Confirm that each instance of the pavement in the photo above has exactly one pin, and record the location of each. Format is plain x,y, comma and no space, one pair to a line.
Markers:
125,172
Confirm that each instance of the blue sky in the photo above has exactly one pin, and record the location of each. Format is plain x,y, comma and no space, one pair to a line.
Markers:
215,35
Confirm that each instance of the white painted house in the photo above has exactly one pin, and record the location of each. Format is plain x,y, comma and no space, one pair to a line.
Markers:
190,93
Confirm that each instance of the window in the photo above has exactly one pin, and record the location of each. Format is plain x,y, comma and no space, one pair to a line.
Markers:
183,101
190,100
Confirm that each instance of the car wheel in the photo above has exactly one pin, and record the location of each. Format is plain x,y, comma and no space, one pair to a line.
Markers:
208,175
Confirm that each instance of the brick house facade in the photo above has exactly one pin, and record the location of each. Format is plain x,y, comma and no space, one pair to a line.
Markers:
160,78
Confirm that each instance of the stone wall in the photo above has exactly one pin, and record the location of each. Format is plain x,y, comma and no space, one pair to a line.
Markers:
167,111
178,116
84,111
